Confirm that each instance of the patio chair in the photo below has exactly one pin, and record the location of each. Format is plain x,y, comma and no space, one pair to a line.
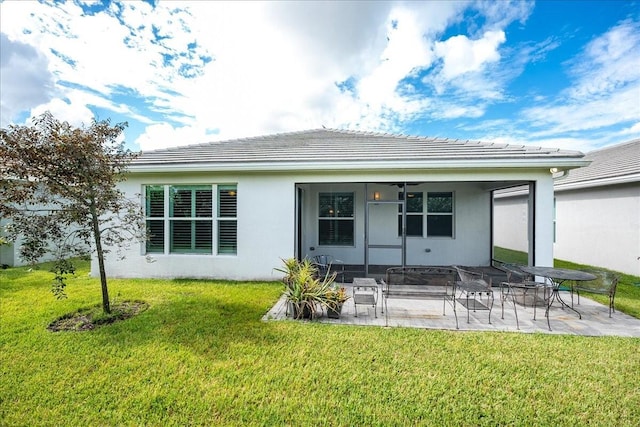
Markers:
327,264
524,283
472,288
605,284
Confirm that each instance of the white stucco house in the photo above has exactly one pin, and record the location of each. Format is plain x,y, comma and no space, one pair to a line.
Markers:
10,255
597,211
10,252
234,209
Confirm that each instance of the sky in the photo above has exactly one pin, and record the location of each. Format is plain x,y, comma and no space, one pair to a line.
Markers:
563,74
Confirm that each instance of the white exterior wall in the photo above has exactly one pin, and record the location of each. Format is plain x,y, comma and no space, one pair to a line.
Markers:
267,221
600,227
266,232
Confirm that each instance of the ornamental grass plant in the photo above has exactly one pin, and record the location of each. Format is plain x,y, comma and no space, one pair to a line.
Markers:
304,288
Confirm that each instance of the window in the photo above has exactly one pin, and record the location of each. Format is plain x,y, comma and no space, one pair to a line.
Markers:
336,219
227,219
190,213
186,213
440,214
414,214
154,197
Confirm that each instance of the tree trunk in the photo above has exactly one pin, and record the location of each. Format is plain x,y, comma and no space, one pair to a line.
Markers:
106,307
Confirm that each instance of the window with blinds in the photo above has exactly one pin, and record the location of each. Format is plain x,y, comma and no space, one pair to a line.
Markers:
336,219
154,208
227,219
182,219
190,219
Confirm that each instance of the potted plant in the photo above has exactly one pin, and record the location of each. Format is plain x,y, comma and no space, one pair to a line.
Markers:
335,298
303,289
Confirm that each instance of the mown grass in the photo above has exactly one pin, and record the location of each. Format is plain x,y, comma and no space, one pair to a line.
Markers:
627,294
200,355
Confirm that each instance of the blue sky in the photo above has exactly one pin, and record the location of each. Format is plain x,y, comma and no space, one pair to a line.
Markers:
548,73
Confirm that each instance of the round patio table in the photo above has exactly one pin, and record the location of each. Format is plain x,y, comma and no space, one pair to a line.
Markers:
557,276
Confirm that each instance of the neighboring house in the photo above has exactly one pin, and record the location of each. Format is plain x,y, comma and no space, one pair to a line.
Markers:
234,209
597,211
10,251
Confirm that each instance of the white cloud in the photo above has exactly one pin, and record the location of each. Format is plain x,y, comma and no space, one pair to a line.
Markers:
499,14
198,71
274,66
632,130
164,135
25,81
461,55
614,108
346,36
75,114
609,62
605,90
280,78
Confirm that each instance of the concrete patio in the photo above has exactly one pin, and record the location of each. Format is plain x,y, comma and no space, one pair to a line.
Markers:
427,314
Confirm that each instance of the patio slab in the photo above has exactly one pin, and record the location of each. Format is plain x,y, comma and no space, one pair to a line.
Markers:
427,314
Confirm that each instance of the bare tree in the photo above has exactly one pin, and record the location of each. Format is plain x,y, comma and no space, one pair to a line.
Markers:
58,189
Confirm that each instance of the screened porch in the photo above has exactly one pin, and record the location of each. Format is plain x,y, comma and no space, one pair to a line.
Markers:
369,227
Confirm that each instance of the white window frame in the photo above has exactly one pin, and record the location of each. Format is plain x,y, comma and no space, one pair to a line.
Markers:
351,218
166,219
421,214
452,214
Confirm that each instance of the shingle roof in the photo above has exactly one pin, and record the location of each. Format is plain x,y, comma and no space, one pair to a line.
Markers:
331,145
615,163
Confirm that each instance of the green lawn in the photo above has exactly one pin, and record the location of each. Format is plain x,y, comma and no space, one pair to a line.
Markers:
200,355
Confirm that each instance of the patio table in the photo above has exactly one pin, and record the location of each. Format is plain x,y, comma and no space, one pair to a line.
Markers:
365,291
557,276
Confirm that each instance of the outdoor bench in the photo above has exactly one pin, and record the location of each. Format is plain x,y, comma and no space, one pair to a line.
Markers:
420,283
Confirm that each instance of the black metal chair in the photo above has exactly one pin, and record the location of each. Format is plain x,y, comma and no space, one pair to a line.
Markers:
472,288
605,284
327,264
524,284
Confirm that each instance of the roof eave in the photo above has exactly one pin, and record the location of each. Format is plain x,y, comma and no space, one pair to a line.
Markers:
625,179
353,165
